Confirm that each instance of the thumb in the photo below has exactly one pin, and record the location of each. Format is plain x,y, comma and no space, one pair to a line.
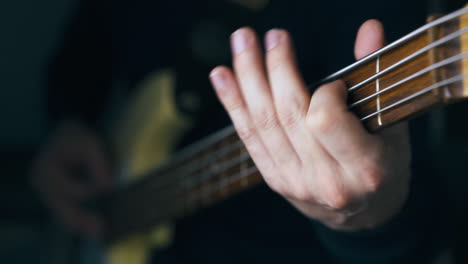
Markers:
370,38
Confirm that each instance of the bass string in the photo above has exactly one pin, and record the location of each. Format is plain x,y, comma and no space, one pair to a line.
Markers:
176,190
420,73
192,167
435,44
417,32
174,207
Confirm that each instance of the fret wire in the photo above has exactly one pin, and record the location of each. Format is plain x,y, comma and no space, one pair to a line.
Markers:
413,76
412,56
377,89
395,44
446,82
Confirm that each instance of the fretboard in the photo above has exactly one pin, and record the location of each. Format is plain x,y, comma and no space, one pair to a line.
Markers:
420,71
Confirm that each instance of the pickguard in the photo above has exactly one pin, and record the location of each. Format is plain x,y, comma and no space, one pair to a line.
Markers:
144,138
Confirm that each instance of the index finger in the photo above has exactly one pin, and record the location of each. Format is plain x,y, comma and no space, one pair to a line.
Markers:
336,128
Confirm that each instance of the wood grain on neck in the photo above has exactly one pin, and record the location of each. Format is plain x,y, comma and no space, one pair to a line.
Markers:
220,167
423,102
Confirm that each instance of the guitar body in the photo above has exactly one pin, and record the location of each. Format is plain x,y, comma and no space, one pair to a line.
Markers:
147,133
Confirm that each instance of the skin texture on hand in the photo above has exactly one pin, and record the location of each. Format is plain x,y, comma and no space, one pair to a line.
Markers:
72,168
310,148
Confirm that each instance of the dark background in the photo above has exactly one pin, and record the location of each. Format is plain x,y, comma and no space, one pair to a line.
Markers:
30,32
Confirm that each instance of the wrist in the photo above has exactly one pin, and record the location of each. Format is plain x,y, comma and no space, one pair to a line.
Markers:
379,209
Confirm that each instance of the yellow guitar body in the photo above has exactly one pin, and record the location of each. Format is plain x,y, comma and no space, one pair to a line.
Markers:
144,138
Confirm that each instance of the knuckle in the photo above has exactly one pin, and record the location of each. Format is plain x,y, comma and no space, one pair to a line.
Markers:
282,55
276,186
321,121
371,177
275,62
233,105
243,66
288,117
301,193
338,202
266,120
335,197
246,133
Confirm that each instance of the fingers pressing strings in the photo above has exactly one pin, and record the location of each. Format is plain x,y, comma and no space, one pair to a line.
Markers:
370,38
289,91
228,91
249,68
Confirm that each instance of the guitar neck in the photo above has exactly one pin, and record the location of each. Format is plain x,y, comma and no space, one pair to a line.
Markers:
422,70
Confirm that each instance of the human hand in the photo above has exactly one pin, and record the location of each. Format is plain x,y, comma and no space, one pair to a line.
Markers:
311,149
70,169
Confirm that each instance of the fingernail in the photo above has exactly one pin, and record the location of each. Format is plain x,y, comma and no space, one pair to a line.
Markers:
272,39
239,41
217,79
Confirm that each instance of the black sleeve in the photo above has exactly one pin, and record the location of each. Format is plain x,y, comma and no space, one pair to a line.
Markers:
79,75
